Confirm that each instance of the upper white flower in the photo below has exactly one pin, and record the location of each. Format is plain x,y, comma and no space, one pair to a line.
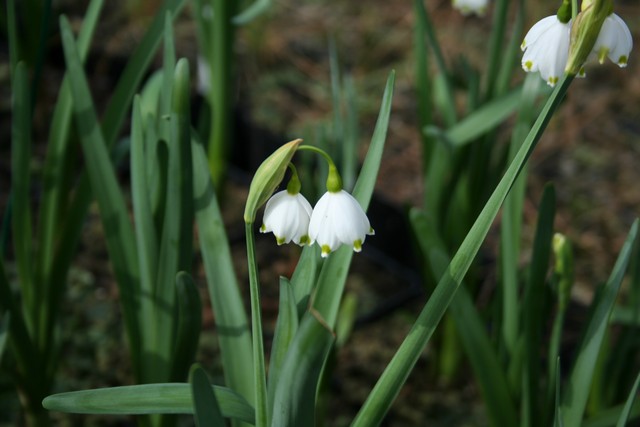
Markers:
614,41
471,6
338,219
287,216
546,48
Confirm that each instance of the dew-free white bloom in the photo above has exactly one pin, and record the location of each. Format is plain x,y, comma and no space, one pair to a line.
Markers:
614,41
546,48
287,216
338,219
467,7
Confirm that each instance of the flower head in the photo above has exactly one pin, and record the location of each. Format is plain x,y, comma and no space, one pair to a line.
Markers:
546,48
287,216
467,7
614,41
338,219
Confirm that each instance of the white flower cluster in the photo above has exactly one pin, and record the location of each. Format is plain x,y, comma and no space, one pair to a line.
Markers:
546,46
336,219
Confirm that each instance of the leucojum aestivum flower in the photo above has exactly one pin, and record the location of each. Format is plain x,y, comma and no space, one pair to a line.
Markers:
336,219
556,44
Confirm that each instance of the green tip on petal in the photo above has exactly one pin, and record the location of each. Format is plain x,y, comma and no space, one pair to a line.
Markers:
304,240
528,65
622,61
371,231
553,80
357,245
602,54
263,228
280,240
326,250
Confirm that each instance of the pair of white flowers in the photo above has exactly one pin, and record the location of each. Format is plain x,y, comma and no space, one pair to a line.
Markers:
336,219
546,46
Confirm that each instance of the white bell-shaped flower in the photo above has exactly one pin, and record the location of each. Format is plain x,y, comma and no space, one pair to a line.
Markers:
614,41
287,216
466,7
338,219
546,48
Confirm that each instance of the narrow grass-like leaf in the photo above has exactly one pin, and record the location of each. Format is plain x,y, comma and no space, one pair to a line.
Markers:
21,189
53,249
574,398
168,69
257,8
118,230
334,271
12,35
135,70
351,138
496,47
304,277
508,59
189,325
609,417
295,398
207,412
532,307
232,325
173,398
397,371
482,120
626,411
486,365
558,420
285,330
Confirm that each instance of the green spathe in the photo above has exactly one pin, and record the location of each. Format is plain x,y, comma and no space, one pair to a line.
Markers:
584,32
267,177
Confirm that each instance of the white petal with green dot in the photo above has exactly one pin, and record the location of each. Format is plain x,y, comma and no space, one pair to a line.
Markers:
338,219
614,41
546,48
287,216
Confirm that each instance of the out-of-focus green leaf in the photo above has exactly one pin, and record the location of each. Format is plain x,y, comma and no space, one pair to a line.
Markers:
576,392
4,332
113,211
170,398
257,8
206,409
232,324
397,371
626,411
610,417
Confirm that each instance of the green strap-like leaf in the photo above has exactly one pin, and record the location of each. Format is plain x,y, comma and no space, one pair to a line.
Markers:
172,398
114,214
574,398
206,408
257,8
397,371
232,325
626,411
189,325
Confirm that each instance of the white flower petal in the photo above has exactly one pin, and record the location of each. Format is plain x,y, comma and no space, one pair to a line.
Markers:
546,48
287,216
338,219
467,7
614,41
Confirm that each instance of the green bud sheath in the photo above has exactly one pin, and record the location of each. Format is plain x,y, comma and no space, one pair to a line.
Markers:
267,177
563,268
584,33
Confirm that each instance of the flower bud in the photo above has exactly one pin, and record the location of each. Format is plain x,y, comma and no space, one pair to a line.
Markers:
563,269
585,31
267,178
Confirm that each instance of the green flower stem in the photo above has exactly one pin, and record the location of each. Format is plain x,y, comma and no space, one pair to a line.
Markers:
397,371
256,326
334,181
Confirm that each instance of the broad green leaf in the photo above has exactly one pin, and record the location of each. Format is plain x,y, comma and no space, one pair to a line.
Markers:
286,327
576,392
232,325
626,411
113,211
206,408
189,325
397,371
334,270
171,398
295,398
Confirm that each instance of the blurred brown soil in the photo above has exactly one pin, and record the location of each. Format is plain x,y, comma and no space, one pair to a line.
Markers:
590,152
